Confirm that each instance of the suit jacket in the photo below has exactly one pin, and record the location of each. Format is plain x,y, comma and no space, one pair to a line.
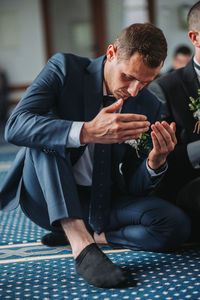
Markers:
177,87
68,89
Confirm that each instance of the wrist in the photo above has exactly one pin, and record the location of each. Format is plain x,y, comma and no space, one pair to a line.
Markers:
84,134
158,169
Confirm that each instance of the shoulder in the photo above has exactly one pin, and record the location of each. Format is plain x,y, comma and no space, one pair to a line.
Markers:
176,78
69,57
146,103
170,79
148,98
65,61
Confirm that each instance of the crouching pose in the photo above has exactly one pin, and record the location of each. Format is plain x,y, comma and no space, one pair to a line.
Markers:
78,174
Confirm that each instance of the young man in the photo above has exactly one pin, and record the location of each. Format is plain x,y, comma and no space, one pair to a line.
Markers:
77,173
182,180
182,56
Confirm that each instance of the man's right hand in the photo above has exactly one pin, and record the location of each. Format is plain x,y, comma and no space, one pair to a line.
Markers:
109,127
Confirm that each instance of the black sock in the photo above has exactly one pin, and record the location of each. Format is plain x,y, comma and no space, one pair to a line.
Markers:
55,239
97,269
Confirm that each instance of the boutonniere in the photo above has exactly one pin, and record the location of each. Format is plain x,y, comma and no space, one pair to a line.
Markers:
141,142
195,107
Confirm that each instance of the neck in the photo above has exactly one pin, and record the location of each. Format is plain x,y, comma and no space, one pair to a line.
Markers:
105,70
197,54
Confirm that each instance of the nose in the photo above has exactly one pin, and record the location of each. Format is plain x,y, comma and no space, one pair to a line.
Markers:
134,87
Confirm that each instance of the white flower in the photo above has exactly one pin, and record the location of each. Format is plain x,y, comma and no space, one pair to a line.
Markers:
141,142
135,144
132,143
196,114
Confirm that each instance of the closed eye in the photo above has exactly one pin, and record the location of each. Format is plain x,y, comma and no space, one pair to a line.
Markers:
127,77
131,78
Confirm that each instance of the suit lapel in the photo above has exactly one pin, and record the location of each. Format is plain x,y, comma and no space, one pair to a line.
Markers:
180,105
191,83
93,88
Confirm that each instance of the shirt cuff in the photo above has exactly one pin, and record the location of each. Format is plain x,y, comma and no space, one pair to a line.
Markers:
193,150
73,140
152,173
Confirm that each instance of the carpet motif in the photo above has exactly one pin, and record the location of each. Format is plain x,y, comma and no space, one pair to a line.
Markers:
17,228
150,276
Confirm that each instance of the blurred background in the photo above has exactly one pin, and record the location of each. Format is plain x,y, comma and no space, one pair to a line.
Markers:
32,30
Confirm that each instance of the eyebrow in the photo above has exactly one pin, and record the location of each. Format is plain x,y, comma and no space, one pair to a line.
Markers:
132,78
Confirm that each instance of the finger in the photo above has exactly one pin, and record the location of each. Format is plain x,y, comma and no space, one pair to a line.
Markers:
163,141
131,117
171,129
156,145
167,138
133,125
114,107
131,134
173,126
124,117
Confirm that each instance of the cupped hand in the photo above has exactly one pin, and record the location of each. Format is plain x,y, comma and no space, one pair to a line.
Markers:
164,140
111,127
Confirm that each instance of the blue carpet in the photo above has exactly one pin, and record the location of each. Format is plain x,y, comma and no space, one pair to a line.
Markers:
150,276
16,228
29,270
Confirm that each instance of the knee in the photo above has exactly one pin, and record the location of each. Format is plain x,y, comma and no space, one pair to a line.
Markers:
173,229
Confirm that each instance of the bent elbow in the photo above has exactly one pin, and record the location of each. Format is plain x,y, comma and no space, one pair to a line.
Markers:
8,133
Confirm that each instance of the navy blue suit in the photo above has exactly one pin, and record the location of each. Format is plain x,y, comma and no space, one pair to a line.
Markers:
69,89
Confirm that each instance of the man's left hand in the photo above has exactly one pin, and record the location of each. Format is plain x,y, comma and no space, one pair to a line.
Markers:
164,140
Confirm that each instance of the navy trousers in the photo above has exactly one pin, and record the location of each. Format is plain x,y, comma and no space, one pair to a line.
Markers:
49,194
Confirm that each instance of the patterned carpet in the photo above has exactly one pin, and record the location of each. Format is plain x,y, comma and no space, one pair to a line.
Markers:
29,270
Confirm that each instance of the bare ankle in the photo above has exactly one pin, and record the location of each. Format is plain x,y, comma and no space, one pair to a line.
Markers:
77,235
76,250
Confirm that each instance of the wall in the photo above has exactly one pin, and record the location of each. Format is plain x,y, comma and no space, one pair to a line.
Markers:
113,18
22,53
168,19
23,57
71,27
122,13
21,42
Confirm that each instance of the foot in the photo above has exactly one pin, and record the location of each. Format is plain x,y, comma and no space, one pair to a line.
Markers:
54,239
97,269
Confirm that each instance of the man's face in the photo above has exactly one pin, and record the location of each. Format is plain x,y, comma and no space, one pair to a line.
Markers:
181,60
125,78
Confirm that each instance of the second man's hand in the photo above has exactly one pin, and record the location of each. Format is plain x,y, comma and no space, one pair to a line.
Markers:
109,127
164,140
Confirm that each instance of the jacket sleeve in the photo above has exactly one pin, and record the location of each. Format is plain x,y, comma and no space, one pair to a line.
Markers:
33,122
139,180
141,183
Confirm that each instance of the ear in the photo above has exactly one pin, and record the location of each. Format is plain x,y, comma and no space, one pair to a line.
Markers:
111,52
195,37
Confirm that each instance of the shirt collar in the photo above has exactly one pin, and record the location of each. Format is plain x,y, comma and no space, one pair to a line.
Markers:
105,91
196,66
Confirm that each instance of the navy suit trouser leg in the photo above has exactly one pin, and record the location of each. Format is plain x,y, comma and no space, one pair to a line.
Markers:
49,192
147,223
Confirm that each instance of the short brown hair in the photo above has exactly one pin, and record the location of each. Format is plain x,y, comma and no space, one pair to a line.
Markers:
144,38
193,17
